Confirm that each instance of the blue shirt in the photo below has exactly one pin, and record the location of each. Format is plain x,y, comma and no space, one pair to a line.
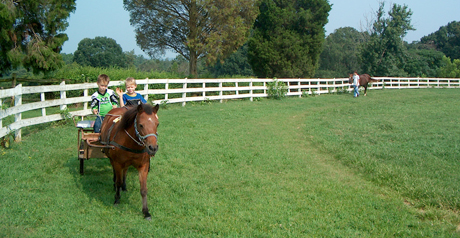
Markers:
133,100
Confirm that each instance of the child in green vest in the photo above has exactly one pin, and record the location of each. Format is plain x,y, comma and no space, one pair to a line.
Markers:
102,101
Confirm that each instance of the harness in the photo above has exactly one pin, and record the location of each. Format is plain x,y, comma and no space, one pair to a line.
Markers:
140,138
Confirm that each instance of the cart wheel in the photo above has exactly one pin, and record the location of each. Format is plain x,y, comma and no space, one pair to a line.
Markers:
82,164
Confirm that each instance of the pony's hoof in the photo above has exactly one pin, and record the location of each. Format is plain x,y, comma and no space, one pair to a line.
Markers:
148,218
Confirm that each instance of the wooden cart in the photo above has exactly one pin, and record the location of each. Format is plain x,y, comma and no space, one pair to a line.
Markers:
88,143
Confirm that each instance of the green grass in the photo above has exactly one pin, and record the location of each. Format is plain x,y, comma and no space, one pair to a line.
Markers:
384,165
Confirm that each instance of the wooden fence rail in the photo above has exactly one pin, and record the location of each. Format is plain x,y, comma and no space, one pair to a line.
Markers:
173,91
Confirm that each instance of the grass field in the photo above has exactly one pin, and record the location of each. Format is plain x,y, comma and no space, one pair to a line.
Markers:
385,165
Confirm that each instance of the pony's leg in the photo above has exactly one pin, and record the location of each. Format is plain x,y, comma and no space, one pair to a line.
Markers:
123,184
365,90
114,179
143,172
118,182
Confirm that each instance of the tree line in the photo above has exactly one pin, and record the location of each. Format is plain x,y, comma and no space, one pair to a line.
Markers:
223,38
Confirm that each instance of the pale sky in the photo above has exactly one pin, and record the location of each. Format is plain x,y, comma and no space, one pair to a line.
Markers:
108,18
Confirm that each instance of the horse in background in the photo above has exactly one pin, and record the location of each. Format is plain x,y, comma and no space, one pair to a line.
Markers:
364,80
131,132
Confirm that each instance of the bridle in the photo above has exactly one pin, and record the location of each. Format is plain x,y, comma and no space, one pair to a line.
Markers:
141,138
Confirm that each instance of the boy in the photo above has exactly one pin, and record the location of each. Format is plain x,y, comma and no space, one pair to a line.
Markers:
130,97
102,101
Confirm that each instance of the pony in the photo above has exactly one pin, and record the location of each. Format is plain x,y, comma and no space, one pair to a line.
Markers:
131,133
364,80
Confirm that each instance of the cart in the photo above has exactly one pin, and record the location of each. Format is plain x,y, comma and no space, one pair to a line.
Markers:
89,145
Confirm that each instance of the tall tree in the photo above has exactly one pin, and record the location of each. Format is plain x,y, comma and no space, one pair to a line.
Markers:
99,52
340,54
236,64
450,69
288,37
31,34
423,60
385,53
446,39
194,29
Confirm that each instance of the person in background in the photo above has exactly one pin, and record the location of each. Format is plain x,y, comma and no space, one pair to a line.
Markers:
355,84
102,101
130,97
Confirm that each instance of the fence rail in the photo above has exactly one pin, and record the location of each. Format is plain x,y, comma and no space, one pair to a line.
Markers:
175,91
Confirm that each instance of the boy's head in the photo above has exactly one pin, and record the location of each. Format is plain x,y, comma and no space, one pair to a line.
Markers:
130,81
130,85
102,83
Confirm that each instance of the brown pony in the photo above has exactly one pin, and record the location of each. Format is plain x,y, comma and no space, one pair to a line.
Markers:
364,80
132,134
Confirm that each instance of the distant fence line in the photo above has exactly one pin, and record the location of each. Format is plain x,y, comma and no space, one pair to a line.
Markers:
176,91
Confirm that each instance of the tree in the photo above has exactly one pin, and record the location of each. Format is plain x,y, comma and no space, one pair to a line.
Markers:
385,53
451,68
340,55
31,34
99,52
423,61
446,39
236,64
288,37
194,29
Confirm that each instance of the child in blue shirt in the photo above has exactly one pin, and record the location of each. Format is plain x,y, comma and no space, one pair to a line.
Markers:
130,97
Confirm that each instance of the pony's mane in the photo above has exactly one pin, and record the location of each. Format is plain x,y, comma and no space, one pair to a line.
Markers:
128,117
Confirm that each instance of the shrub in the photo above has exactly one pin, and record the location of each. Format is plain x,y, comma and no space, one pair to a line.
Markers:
277,89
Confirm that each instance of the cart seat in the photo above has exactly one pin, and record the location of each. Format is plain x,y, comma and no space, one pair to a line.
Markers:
85,124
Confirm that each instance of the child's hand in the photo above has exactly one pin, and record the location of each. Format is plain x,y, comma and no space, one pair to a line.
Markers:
119,92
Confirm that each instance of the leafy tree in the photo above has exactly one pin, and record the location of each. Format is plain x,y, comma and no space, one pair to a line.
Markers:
31,34
100,52
385,53
340,54
423,61
446,39
236,64
451,69
288,37
194,29
67,58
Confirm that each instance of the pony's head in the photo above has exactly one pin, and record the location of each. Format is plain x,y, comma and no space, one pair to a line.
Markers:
145,121
350,78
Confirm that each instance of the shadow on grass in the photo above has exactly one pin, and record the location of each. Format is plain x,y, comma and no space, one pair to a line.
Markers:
97,180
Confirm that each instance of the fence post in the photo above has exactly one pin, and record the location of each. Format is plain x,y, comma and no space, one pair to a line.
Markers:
63,96
85,104
18,116
42,98
146,89
204,90
166,89
184,94
220,92
236,85
251,91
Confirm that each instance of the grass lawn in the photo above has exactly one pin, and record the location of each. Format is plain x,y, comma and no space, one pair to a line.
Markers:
384,165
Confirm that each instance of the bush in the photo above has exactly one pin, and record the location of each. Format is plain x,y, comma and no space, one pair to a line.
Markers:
277,89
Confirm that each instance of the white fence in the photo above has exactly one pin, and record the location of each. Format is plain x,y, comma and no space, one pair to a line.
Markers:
177,91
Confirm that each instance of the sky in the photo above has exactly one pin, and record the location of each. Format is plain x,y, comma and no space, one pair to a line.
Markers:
108,18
